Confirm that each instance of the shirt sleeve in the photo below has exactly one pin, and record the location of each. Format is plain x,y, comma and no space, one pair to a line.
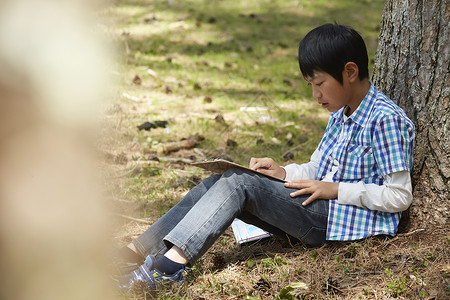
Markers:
304,171
393,145
394,195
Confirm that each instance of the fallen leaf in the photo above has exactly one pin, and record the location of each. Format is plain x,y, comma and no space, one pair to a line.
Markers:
219,119
149,125
137,80
146,126
288,156
231,143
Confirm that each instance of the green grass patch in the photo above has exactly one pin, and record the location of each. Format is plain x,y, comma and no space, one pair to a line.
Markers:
228,71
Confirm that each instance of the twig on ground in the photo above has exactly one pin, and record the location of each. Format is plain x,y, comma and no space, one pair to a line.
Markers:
402,235
133,219
412,232
188,143
176,160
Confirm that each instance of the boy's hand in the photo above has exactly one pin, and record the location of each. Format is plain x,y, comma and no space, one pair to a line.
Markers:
267,166
317,189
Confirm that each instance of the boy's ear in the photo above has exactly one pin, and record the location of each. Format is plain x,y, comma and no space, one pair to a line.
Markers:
351,71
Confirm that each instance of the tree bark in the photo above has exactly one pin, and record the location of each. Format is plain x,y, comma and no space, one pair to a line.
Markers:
412,68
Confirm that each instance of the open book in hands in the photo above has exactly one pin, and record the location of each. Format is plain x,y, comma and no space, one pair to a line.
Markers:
219,166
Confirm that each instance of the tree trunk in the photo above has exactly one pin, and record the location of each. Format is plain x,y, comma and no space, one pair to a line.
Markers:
412,68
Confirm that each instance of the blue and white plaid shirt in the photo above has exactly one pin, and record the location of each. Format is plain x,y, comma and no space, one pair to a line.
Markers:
377,140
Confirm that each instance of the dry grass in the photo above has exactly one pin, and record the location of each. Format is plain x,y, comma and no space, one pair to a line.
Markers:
413,265
207,68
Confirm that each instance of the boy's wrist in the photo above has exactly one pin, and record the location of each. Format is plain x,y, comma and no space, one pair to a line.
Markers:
283,174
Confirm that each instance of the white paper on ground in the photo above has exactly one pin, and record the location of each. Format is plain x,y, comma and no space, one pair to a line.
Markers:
244,232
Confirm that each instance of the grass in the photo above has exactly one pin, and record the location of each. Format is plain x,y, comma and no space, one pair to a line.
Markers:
204,66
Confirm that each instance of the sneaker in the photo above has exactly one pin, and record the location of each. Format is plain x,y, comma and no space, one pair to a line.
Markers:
153,278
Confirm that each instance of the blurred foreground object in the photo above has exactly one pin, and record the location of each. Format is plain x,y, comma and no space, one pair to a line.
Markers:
52,228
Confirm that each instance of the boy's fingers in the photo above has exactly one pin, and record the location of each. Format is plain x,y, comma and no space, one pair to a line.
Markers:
299,182
253,161
292,184
309,200
264,164
258,166
313,196
264,171
299,192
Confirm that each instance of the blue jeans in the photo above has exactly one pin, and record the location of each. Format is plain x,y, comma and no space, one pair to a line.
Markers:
199,219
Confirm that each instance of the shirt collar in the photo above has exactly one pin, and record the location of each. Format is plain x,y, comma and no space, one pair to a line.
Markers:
359,116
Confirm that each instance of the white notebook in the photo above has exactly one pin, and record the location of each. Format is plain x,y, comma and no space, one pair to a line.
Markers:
244,232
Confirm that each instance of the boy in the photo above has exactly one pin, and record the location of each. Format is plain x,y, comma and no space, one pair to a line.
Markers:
355,185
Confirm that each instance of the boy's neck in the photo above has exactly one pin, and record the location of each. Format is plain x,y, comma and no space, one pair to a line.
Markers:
360,88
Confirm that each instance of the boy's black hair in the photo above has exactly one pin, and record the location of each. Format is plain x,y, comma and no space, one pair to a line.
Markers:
329,47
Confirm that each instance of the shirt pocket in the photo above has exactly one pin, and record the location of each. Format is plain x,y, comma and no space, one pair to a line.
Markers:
359,162
355,150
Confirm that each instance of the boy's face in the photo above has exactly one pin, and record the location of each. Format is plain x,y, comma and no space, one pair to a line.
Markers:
328,91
